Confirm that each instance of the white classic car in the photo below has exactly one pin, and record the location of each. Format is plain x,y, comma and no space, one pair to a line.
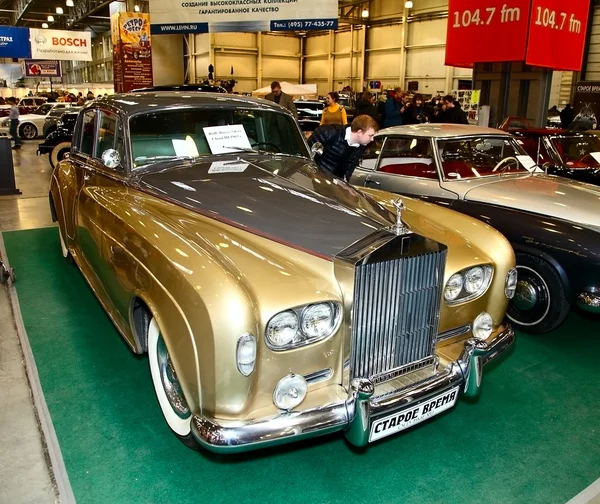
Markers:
32,125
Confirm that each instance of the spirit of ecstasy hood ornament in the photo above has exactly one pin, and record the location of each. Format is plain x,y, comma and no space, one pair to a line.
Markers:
400,228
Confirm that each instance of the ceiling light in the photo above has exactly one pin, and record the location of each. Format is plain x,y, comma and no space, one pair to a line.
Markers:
70,3
44,25
408,4
59,10
51,19
365,13
136,8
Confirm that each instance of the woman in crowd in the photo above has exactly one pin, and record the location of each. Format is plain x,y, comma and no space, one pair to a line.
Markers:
419,112
333,113
393,116
366,107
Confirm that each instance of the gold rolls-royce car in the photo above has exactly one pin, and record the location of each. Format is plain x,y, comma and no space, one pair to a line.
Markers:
275,301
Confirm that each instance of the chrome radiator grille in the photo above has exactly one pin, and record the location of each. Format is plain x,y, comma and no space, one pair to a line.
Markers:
395,314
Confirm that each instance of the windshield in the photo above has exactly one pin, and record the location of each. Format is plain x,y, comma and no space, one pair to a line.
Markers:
43,109
479,157
191,133
578,151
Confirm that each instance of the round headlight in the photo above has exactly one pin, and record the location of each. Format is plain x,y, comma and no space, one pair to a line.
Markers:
246,354
453,287
290,392
318,320
483,326
511,283
282,329
474,279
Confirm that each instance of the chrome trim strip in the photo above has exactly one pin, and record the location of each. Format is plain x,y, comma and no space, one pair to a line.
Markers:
457,331
355,413
318,376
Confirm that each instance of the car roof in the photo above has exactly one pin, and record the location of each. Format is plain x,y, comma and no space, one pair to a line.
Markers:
133,103
547,132
205,88
441,130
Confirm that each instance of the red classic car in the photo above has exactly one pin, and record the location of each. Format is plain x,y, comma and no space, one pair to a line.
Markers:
26,106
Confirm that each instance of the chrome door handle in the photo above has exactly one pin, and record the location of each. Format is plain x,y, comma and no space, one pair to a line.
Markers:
373,182
86,176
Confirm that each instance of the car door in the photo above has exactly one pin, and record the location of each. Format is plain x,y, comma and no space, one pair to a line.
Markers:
86,223
367,164
407,165
119,241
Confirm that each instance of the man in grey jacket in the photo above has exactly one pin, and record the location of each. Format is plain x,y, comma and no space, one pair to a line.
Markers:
14,122
278,96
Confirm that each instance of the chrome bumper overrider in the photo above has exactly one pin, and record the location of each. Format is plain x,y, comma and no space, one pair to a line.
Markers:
355,414
589,302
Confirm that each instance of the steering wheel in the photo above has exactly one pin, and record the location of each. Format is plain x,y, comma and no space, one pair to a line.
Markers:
267,144
506,161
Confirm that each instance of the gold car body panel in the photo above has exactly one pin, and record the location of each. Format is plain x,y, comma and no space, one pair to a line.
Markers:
207,283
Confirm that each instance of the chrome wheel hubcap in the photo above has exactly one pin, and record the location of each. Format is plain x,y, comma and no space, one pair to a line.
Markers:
526,296
170,382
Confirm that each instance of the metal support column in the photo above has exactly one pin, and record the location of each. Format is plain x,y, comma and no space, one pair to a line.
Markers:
331,60
543,98
259,60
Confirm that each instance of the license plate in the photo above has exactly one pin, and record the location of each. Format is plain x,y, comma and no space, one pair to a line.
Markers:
406,418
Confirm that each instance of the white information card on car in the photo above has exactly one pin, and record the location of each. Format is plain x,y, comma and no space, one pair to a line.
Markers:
596,156
408,417
528,163
227,138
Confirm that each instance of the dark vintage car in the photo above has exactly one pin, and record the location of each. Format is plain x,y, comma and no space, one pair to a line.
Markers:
275,302
54,117
58,142
203,88
563,153
550,221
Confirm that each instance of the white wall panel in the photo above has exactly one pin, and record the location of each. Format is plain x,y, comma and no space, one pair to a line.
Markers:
592,72
427,32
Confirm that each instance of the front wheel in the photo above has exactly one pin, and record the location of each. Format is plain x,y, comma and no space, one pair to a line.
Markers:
168,391
28,131
540,303
58,153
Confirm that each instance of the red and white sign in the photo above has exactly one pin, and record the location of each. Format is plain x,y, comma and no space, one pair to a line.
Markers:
60,45
557,31
486,31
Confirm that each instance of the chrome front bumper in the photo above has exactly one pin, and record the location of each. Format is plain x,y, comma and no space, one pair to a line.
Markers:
589,302
355,414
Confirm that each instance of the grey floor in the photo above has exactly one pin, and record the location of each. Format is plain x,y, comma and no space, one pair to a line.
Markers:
25,474
24,471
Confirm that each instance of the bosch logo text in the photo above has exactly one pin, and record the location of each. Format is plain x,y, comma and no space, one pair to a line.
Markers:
69,42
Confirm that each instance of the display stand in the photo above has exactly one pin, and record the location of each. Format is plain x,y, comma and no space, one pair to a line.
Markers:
7,170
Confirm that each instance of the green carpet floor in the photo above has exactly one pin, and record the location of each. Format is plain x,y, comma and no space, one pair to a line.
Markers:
533,437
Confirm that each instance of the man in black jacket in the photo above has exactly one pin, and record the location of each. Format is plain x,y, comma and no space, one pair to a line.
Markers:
343,146
453,113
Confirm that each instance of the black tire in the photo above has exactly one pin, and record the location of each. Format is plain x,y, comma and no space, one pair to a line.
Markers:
540,304
58,153
28,131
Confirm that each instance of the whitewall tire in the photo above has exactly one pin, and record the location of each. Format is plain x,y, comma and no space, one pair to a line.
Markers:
58,153
170,397
63,247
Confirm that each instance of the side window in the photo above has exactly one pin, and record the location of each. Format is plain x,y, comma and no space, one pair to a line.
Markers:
88,133
109,134
411,157
371,154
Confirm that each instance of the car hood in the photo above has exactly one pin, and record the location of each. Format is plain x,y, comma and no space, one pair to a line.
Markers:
558,197
288,200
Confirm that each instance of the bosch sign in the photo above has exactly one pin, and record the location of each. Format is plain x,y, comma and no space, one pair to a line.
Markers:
61,45
69,42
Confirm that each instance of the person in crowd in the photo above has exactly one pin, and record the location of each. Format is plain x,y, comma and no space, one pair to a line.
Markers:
452,111
393,117
381,109
406,113
333,112
90,96
80,101
278,96
14,121
343,146
419,112
365,107
566,116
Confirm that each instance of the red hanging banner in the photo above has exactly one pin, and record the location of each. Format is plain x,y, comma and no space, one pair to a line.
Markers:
557,31
486,31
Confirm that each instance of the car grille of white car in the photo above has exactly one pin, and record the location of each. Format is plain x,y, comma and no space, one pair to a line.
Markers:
396,312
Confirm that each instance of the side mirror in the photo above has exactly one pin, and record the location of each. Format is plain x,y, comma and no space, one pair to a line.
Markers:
111,158
316,149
